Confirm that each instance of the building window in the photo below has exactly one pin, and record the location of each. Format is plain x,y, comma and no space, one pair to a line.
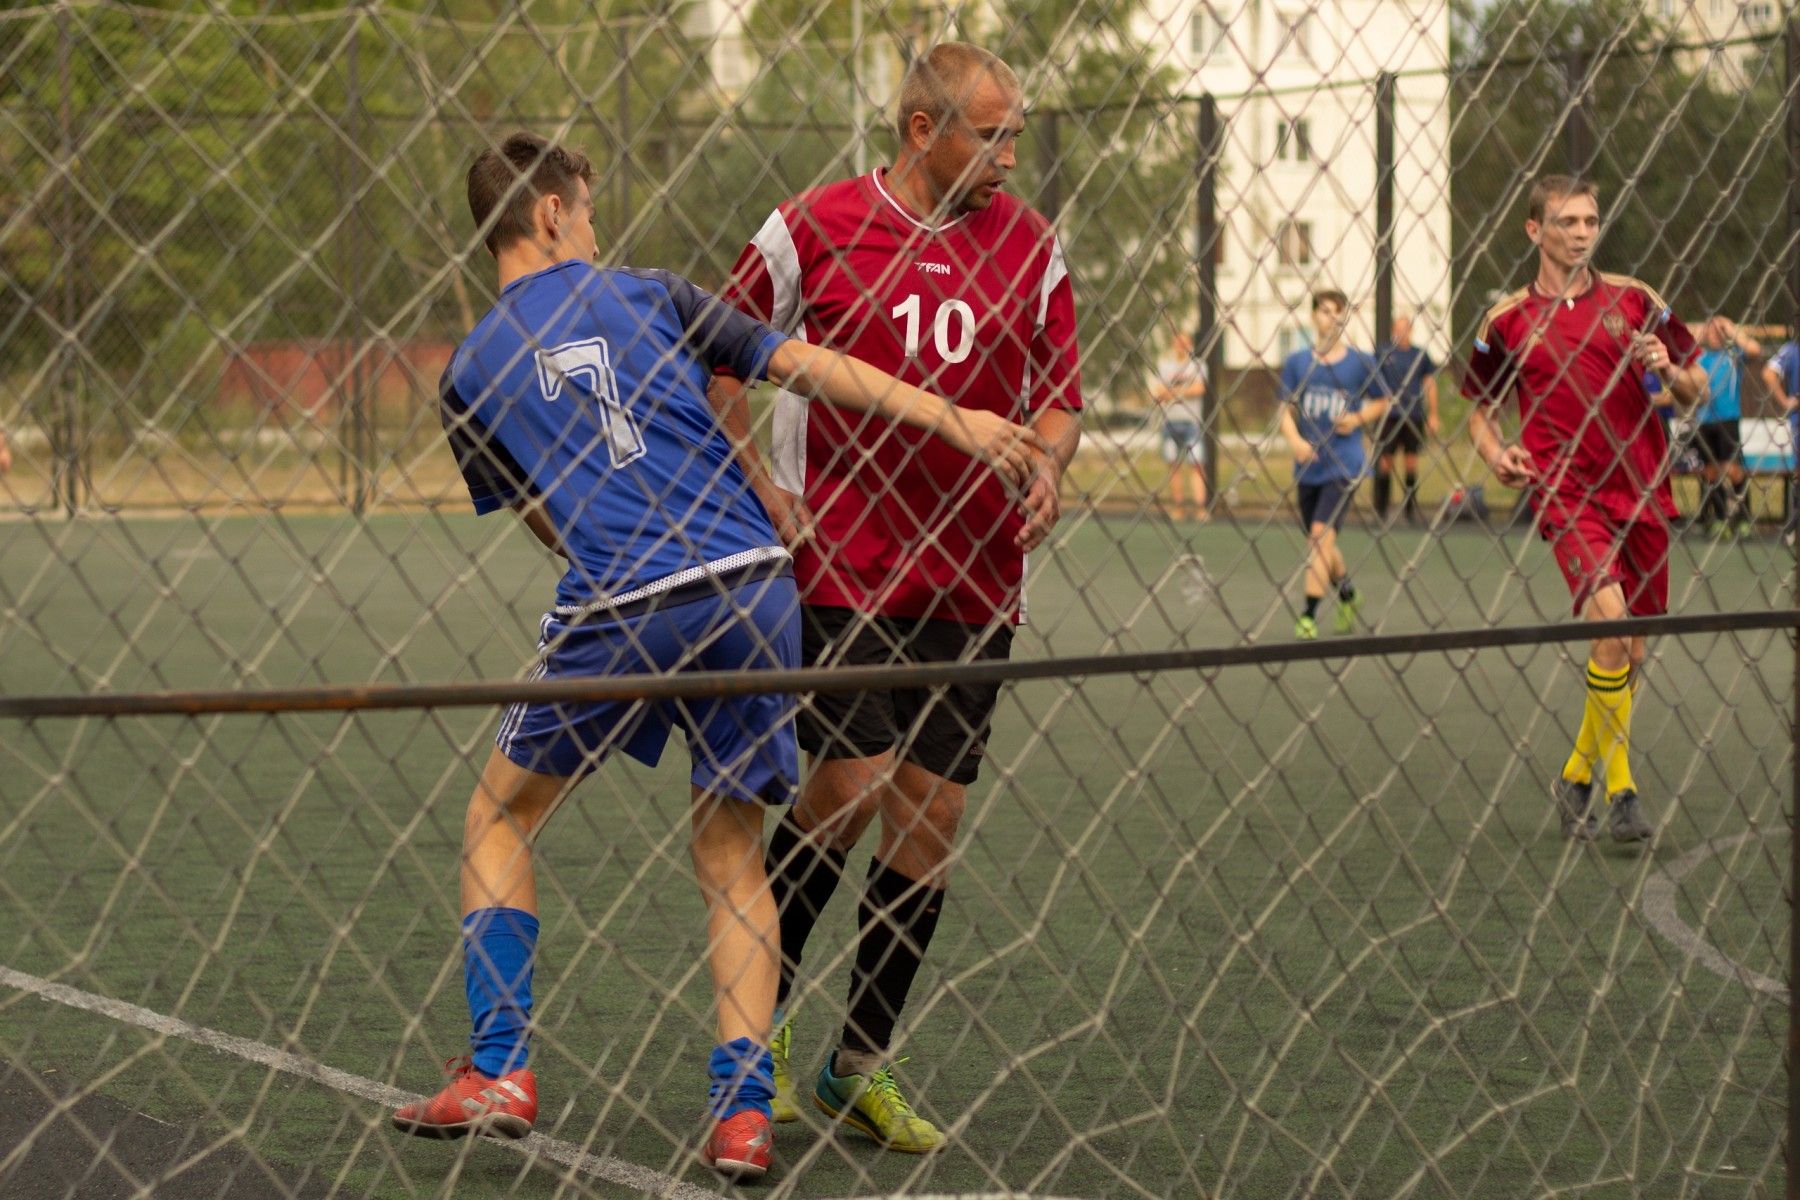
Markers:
1760,13
1296,35
1293,141
1206,34
1666,8
1294,242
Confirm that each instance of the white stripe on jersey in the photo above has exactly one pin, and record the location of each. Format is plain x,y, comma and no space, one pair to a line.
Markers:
1054,274
787,440
776,245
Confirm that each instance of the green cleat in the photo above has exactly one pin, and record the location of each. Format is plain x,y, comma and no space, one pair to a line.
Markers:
1346,614
1306,629
874,1105
1745,530
782,1108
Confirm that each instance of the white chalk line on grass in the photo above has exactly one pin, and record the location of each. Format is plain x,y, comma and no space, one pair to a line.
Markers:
1660,910
613,1170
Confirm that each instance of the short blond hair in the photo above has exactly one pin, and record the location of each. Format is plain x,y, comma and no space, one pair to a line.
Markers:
942,78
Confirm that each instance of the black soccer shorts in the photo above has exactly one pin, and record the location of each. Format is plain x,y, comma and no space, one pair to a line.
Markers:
943,730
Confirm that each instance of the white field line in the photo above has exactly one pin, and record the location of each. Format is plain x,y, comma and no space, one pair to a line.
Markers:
1659,909
613,1170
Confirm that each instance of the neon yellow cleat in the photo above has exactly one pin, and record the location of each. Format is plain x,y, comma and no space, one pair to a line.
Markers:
1346,615
782,1108
874,1105
1306,629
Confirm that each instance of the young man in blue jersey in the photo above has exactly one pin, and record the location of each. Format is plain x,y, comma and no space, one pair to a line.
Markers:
1781,374
1725,494
1330,394
580,402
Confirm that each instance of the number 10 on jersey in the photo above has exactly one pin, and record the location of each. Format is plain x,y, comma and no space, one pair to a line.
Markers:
952,346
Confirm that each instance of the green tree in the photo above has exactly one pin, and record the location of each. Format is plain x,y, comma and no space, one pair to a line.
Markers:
1685,148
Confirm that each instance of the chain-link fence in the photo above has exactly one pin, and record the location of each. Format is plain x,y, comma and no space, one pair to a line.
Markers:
1233,907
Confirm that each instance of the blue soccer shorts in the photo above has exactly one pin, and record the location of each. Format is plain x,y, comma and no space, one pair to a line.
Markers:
742,746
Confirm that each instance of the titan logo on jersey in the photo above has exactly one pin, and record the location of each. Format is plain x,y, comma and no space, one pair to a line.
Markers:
931,268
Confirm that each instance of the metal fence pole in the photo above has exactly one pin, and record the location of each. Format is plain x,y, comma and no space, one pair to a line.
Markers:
1209,339
1384,205
1792,1149
1578,127
361,420
65,441
1049,140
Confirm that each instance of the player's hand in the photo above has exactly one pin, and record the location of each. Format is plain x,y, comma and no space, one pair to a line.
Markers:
1012,450
1433,426
5,455
1513,466
793,520
1043,505
1348,423
1303,453
1650,352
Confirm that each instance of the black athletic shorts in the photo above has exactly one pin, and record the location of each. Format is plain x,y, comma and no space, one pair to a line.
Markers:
1719,442
1399,434
1325,503
945,731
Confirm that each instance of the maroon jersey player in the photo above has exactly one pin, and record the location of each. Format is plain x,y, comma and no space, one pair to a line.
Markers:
1581,353
930,269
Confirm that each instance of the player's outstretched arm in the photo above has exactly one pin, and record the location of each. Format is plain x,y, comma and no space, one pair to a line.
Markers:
850,383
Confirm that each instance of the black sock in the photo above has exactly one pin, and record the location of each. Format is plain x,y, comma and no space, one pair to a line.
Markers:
1312,606
1346,590
1384,482
898,917
1740,499
801,878
1412,493
1715,502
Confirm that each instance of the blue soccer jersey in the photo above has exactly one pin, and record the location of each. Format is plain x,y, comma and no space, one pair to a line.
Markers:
1724,378
586,390
1321,393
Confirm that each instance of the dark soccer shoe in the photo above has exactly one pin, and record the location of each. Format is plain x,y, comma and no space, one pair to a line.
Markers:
1572,802
1625,819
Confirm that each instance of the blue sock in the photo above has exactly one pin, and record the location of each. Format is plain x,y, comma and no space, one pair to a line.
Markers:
498,947
743,1079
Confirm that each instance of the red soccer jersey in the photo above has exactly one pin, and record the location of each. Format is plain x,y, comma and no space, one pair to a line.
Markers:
978,310
1585,416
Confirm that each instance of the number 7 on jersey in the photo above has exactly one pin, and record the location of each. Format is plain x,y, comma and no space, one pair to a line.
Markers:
589,364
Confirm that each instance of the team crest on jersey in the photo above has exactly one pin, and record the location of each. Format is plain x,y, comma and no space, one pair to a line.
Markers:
1614,322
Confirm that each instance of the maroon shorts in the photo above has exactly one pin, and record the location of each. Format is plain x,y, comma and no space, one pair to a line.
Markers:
1594,548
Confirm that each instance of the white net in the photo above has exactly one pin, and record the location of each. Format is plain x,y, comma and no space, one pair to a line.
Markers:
1294,924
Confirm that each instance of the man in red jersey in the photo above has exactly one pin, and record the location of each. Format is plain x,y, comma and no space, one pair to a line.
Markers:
1579,349
903,554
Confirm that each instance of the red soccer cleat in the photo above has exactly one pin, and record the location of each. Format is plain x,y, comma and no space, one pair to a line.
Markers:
742,1146
474,1103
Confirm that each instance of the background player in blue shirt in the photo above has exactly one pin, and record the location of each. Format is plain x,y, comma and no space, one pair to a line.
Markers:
1411,377
1330,393
580,403
1781,374
1725,508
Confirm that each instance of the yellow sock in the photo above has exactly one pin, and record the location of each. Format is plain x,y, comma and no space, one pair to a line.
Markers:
1610,693
1580,767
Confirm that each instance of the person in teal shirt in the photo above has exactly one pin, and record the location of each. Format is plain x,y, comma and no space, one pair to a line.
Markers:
1725,492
